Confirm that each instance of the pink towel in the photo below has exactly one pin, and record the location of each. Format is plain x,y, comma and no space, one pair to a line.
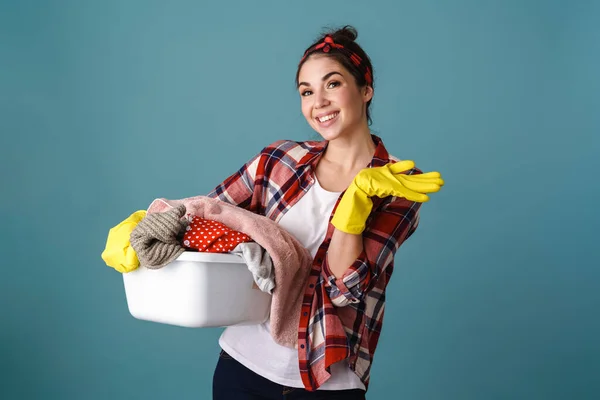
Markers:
291,261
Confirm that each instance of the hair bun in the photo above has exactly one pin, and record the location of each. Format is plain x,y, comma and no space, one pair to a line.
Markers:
348,33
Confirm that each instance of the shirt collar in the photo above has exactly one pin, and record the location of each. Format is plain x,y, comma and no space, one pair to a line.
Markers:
380,158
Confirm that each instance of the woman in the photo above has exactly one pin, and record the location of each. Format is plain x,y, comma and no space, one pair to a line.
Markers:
351,204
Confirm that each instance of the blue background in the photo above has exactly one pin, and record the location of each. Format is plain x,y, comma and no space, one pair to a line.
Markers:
106,105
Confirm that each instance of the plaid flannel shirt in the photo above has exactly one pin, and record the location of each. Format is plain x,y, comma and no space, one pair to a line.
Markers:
341,318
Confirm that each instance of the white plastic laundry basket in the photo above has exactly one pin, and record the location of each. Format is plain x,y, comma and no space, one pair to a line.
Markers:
198,289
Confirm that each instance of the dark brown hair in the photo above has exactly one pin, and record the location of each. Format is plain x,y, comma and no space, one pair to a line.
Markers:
345,36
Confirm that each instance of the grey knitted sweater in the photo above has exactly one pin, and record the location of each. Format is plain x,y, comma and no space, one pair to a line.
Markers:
157,237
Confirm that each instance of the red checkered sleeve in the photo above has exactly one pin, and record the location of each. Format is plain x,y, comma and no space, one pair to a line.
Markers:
238,189
394,221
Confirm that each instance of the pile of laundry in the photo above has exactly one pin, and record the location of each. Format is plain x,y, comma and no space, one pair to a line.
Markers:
155,237
160,237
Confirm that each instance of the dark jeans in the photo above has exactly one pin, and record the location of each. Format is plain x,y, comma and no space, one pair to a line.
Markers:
233,381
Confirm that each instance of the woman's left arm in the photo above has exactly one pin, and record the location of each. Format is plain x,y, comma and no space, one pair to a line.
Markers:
343,249
364,242
354,263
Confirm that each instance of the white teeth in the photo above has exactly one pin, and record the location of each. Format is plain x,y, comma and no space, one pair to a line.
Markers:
327,117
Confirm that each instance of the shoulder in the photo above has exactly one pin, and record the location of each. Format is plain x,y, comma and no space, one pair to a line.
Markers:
281,163
382,157
290,150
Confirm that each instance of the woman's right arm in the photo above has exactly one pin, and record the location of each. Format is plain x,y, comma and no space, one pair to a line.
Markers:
238,189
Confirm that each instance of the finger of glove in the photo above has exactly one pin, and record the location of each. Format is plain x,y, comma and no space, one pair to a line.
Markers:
427,175
420,187
400,190
401,166
417,179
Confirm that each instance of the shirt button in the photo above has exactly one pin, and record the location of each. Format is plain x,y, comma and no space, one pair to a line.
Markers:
311,286
305,314
301,346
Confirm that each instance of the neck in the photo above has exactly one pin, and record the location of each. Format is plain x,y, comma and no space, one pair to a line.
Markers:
350,153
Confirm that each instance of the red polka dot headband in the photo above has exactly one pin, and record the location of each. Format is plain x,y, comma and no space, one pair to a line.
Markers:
328,44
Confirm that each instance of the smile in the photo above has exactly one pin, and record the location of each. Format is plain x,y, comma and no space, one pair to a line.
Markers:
327,117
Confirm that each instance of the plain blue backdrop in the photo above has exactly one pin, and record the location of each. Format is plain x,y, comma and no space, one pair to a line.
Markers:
106,105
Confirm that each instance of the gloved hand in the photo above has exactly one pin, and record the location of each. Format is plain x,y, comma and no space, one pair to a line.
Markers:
118,253
356,204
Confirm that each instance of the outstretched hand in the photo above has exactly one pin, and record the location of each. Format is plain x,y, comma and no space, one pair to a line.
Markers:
389,180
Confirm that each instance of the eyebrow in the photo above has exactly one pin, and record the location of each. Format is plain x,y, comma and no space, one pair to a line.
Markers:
325,77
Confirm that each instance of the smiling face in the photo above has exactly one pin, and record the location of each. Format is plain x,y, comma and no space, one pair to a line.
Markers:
332,103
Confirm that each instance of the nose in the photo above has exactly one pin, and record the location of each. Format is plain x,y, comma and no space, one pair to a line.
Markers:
321,99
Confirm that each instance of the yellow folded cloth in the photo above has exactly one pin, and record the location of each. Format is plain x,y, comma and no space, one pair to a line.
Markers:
118,252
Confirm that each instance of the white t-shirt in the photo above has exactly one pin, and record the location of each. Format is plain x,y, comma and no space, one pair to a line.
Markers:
252,345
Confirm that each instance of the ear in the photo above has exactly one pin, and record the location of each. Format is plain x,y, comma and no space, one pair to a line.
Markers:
367,93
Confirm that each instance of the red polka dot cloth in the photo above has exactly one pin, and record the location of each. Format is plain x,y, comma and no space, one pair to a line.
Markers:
212,236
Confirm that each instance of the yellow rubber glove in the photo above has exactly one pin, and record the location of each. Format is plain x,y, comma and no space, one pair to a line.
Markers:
389,180
118,253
